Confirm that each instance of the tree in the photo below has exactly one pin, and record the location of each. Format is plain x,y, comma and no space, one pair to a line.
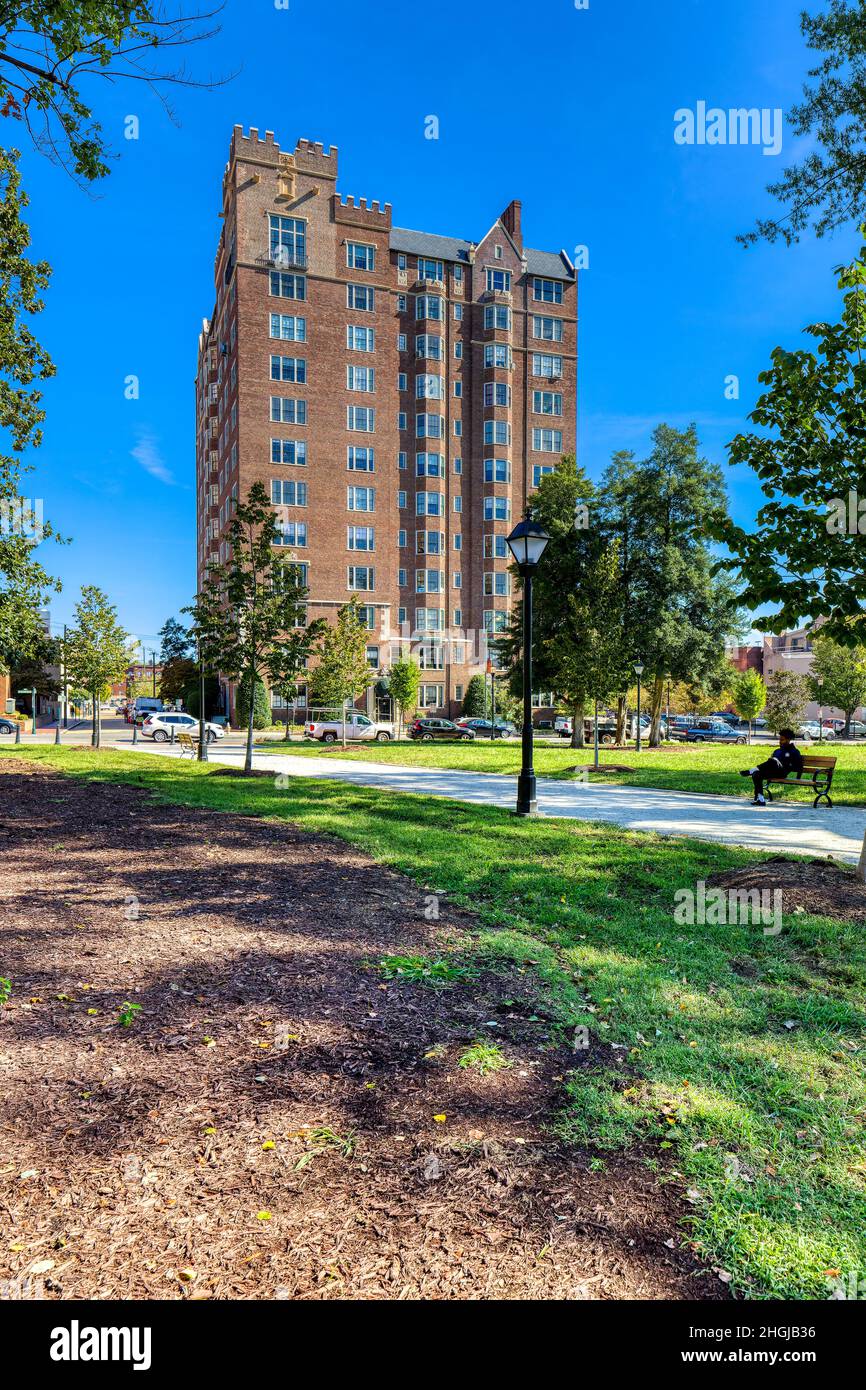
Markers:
787,695
176,677
48,50
475,699
748,695
98,650
828,187
261,711
248,606
403,681
805,557
343,672
842,671
175,643
24,583
677,614
576,610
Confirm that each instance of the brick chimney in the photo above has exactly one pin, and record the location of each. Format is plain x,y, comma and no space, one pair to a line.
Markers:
510,220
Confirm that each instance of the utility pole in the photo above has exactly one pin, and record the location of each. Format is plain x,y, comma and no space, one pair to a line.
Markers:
65,693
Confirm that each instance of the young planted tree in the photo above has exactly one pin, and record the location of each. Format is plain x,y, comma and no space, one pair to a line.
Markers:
248,606
842,672
576,607
403,681
98,650
475,699
289,659
748,695
343,673
787,696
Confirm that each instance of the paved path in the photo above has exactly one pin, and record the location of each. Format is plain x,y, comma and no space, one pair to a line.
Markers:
783,827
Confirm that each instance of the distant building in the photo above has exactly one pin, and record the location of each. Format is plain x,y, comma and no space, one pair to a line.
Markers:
785,651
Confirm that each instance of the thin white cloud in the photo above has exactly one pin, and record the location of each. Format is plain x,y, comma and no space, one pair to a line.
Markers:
146,452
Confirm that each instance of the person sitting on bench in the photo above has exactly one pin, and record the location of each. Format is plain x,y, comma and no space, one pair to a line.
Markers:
786,759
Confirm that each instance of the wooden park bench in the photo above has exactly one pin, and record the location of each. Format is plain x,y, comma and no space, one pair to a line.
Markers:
188,744
817,773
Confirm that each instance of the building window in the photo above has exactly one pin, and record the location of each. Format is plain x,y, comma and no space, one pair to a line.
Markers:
429,306
361,579
401,342
286,411
495,548
428,345
547,403
497,316
497,471
401,499
360,339
285,493
547,291
458,429
286,326
431,696
401,260
458,274
401,616
458,312
360,256
497,582
498,281
539,471
289,369
497,393
401,579
401,303
495,620
458,541
360,379
546,364
457,578
458,350
287,286
401,539
458,388
430,542
429,581
373,657
458,466
429,427
458,504
289,451
360,538
430,465
430,270
288,240
497,355
547,328
360,460
361,417
401,420
360,297
457,619
458,691
402,382
429,387
429,619
401,459
497,509
367,616
497,432
430,504
293,533
361,499
547,441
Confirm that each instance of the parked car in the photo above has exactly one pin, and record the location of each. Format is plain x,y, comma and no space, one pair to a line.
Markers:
7,726
713,731
810,729
357,726
482,727
159,727
427,729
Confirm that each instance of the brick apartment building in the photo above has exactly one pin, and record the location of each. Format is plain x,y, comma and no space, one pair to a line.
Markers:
399,393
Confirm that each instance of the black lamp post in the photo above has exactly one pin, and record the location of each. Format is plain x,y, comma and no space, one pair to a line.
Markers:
638,670
821,710
527,543
202,733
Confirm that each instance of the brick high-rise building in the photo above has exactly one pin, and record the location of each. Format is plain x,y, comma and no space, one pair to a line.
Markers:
399,393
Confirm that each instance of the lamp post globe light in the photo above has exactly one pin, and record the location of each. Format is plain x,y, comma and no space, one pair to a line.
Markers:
527,543
638,670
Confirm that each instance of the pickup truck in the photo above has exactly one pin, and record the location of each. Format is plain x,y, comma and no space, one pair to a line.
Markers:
358,726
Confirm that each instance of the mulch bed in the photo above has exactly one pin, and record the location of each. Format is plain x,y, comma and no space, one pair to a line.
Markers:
265,1127
819,886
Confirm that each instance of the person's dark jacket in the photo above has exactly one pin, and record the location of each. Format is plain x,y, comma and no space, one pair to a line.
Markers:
790,760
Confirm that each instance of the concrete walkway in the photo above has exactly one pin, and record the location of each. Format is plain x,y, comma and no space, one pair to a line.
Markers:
785,827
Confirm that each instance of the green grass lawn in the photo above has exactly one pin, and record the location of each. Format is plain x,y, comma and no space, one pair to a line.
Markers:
676,767
742,1053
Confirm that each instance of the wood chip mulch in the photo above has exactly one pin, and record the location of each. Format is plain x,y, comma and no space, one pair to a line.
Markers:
819,886
266,1126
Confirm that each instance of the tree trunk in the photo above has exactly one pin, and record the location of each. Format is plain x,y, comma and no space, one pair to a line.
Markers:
621,715
861,867
96,739
846,731
578,734
655,737
248,760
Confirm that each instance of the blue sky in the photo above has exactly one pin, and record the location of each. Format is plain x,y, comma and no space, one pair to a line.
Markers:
572,111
